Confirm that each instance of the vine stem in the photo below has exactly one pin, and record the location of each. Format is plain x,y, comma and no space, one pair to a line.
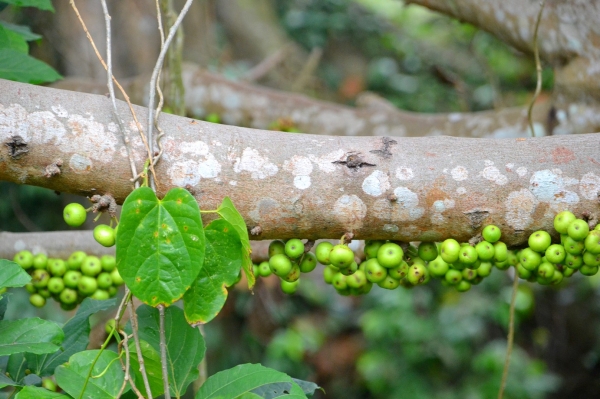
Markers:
163,350
538,68
138,348
511,334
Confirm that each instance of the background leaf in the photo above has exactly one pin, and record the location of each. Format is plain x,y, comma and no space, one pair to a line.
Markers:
29,335
246,378
12,275
160,245
77,331
13,40
6,381
71,376
31,392
23,30
20,67
222,263
41,4
152,365
228,212
185,345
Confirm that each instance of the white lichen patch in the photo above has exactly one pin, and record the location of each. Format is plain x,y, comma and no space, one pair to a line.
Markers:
437,218
233,183
461,191
80,164
492,174
190,162
522,171
325,162
302,182
376,183
459,173
252,162
350,211
301,167
404,173
90,138
391,228
520,206
589,186
551,187
59,111
404,209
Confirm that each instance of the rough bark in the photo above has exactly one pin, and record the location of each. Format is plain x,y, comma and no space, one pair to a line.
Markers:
294,185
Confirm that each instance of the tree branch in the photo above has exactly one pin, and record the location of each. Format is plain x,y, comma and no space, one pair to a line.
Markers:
294,185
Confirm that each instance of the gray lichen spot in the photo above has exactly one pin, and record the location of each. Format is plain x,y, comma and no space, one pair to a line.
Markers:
350,211
80,164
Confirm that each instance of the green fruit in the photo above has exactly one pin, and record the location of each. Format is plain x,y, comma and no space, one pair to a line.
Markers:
56,285
71,278
276,247
389,283
557,278
578,229
491,233
356,280
427,251
108,262
589,271
562,221
592,242
293,275
91,266
100,295
453,277
398,272
87,285
539,241
289,287
347,271
57,267
104,280
341,256
104,235
437,267
37,300
530,259
390,255
500,252
512,258
109,326
485,250
591,259
74,214
280,265
74,261
44,292
68,307
116,278
308,263
24,259
573,247
522,272
328,274
374,271
68,296
449,250
371,248
30,288
417,274
213,118
49,384
40,261
40,278
264,270
467,255
485,269
545,270
555,253
463,286
294,248
469,274
568,272
322,252
339,281
112,291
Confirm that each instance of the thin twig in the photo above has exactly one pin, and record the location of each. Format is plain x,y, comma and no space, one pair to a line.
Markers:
154,78
138,348
538,67
511,334
163,350
125,344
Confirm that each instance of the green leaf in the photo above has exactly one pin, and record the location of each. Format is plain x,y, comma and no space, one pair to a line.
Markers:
228,212
12,275
77,331
10,39
222,263
32,392
16,366
185,345
308,387
160,244
248,378
72,375
3,305
29,335
6,381
23,30
152,365
41,4
20,67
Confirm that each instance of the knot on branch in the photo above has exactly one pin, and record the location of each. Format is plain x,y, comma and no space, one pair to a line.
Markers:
53,169
16,147
104,203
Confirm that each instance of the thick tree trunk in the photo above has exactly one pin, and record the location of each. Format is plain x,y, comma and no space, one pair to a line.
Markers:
294,185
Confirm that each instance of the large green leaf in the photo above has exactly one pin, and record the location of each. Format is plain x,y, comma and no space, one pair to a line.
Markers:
20,67
77,331
185,345
29,335
23,30
16,367
151,363
222,263
12,275
228,212
31,392
6,381
249,378
41,4
10,39
106,379
160,244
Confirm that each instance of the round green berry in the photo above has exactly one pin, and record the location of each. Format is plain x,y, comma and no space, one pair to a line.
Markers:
539,241
40,261
485,250
589,271
357,279
294,248
71,278
591,259
398,272
264,270
87,285
39,278
530,259
56,285
545,270
463,286
293,275
592,242
339,281
91,266
389,283
108,262
308,262
485,269
276,247
68,296
44,292
289,287
341,256
347,271
572,246
57,267
104,235
24,259
522,272
578,229
500,252
491,233
280,265
453,276
371,248
417,274
328,274
75,259
562,221
116,277
374,271
427,251
322,252
557,278
37,300
467,255
30,288
555,253
390,255
449,250
100,295
112,291
104,280
49,384
437,267
74,214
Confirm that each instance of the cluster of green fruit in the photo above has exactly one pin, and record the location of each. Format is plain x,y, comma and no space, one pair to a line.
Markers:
70,281
461,265
75,215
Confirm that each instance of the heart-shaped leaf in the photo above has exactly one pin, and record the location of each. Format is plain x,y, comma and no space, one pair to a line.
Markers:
12,275
29,335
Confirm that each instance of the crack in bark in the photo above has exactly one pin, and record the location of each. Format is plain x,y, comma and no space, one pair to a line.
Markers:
16,147
385,151
354,161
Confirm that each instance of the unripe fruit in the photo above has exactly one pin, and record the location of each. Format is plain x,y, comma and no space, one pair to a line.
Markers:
294,248
87,285
557,278
30,288
589,271
276,247
112,291
104,235
522,272
390,255
463,286
485,250
74,214
467,255
562,221
347,271
37,300
578,230
108,262
68,296
91,266
530,259
545,270
24,259
49,384
39,278
116,277
539,241
417,274
449,250
339,281
308,263
555,253
356,280
491,233
104,280
341,256
374,271
572,246
371,248
68,306
573,261
328,274
100,295
427,251
438,267
568,272
280,265
453,277
398,272
322,252
293,275
56,285
469,274
57,267
500,252
592,242
484,269
74,261
289,287
591,259
389,283
40,261
44,292
71,278
264,270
